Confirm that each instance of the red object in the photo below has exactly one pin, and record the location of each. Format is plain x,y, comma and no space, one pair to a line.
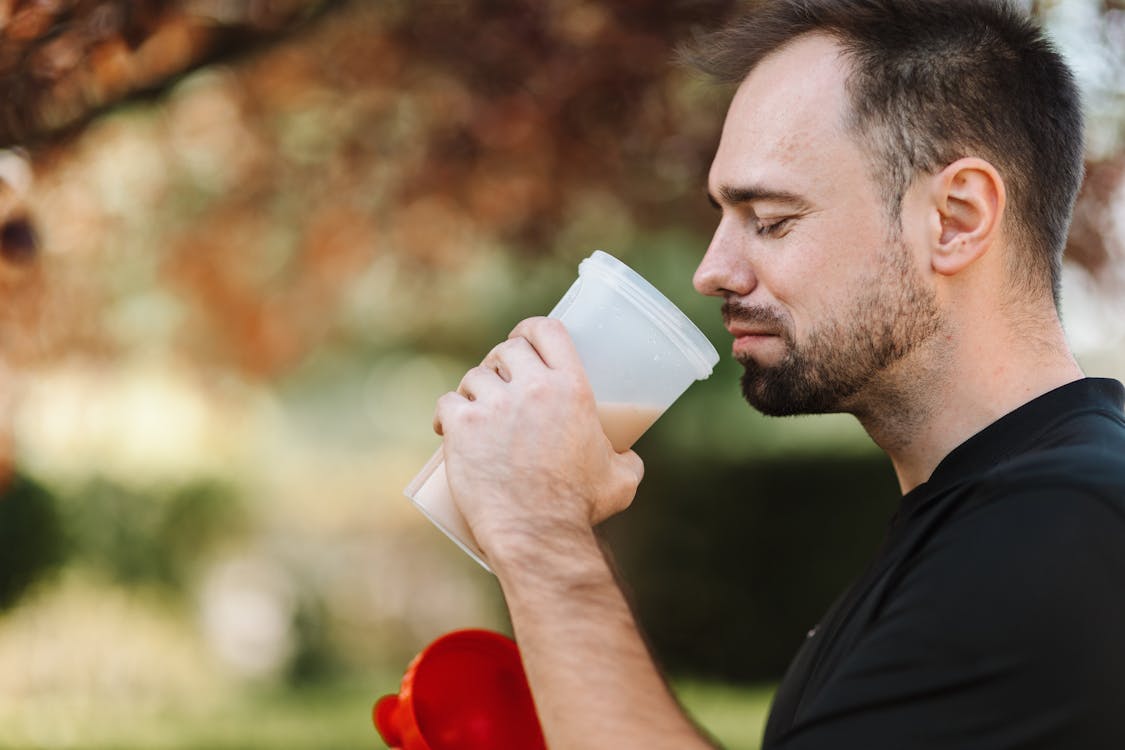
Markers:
466,691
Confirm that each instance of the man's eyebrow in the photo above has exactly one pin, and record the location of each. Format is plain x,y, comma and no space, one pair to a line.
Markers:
736,195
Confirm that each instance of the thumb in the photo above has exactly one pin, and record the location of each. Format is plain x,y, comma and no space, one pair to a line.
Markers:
629,470
632,465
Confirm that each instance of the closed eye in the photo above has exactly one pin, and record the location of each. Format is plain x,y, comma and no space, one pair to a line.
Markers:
772,228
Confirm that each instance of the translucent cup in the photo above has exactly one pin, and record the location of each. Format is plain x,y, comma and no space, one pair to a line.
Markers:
640,352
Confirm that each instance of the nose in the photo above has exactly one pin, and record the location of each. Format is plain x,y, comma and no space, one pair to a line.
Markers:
726,268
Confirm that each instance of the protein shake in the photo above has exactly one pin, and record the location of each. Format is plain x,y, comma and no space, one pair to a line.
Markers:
639,353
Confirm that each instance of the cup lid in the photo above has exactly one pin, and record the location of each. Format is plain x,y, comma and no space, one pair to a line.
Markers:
687,337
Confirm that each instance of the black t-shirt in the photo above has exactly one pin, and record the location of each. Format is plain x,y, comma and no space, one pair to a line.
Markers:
994,614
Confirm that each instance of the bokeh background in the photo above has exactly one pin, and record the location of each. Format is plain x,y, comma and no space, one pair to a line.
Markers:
245,245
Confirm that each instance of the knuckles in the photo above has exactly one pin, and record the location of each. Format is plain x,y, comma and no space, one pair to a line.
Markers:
448,409
446,403
482,370
550,326
530,325
539,389
495,352
575,382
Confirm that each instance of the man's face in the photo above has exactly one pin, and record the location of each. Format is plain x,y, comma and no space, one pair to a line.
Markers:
821,292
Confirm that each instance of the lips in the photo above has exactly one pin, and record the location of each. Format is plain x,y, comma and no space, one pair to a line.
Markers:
741,332
757,331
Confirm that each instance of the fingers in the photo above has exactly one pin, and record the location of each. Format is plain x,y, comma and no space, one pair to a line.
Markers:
494,371
551,341
628,470
513,355
479,381
632,465
534,343
446,406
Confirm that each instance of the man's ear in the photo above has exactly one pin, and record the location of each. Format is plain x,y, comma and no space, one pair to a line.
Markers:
968,200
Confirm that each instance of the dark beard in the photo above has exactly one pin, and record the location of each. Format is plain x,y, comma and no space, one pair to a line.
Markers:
790,388
893,316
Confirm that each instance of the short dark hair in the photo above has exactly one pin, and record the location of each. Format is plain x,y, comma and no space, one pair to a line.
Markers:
932,81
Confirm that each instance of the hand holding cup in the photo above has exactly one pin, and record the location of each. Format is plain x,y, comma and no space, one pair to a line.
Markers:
525,452
539,433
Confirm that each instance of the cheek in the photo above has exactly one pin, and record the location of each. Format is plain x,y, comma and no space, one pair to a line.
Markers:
826,286
806,275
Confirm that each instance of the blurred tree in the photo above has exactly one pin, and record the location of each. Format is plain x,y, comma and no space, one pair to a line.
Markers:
161,536
355,130
63,61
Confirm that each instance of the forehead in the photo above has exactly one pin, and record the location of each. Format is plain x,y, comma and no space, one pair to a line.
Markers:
784,126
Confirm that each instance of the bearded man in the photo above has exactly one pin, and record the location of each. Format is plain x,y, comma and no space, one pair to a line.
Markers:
895,180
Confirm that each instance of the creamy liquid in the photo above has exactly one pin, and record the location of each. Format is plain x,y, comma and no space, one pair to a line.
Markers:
622,423
436,501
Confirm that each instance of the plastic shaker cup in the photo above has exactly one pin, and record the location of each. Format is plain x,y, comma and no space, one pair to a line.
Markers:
466,691
640,352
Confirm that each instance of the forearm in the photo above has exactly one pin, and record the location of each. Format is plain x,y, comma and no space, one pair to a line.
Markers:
594,682
532,471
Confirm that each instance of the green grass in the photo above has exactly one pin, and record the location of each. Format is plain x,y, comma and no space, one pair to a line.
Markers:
322,718
331,717
733,714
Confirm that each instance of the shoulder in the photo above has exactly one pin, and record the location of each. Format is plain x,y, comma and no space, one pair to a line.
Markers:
1002,623
1003,629
1092,463
1024,542
1012,614
1035,544
1023,585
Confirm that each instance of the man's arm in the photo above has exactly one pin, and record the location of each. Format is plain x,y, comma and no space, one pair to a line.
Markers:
532,472
594,682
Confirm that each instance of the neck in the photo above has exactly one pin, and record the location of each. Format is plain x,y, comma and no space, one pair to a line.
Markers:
949,392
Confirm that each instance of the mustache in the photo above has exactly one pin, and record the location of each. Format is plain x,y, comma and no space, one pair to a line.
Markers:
755,315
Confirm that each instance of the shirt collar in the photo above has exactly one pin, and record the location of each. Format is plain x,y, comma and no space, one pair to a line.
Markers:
1016,432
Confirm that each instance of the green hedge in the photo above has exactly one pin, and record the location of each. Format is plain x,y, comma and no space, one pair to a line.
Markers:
730,565
31,537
